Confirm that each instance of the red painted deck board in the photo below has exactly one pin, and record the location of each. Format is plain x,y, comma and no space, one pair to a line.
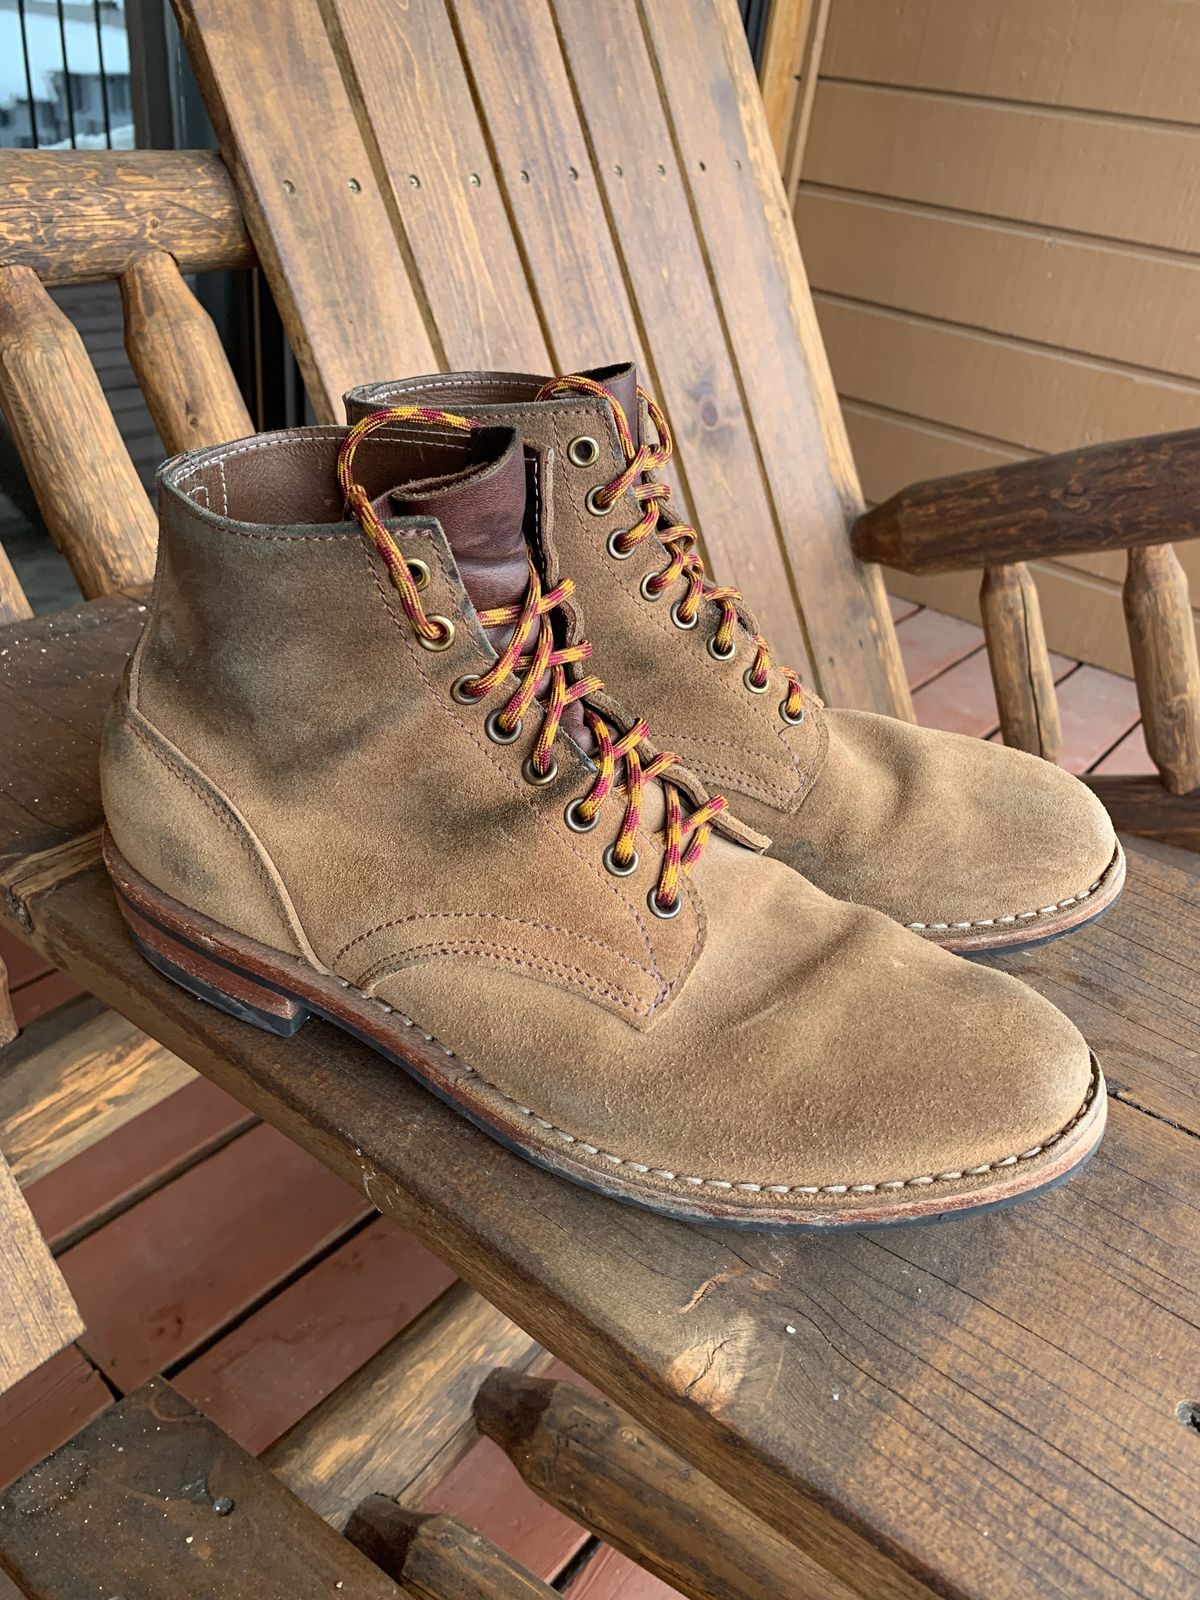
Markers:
163,1277
136,1157
930,642
1130,756
285,1358
611,1576
486,1492
42,994
46,1408
1097,709
22,961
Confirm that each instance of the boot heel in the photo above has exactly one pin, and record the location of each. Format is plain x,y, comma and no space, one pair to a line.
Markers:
232,990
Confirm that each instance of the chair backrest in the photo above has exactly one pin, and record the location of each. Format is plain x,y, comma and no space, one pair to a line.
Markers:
452,183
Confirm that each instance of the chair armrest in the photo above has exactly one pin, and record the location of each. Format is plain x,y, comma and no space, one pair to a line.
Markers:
1107,497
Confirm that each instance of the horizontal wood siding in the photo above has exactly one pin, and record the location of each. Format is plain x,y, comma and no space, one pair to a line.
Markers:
998,208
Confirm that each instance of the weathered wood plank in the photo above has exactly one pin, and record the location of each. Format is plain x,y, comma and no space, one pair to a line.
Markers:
74,215
1105,497
177,355
442,184
152,1499
404,1419
646,198
438,1557
708,86
591,1461
73,1077
37,1314
309,194
1141,806
89,493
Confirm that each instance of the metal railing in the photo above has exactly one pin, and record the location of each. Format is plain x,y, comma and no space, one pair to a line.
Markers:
64,75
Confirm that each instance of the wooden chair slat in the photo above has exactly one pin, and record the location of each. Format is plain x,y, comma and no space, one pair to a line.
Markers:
74,215
453,217
180,364
73,1077
14,607
309,194
86,486
8,1021
404,1420
1020,661
153,1499
754,260
437,1557
38,1317
592,1462
541,153
1162,641
653,225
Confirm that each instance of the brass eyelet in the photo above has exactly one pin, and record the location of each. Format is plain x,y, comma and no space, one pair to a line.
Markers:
583,452
573,820
460,687
675,908
614,545
497,734
592,498
755,688
615,867
720,655
444,639
418,571
531,774
649,592
678,620
792,722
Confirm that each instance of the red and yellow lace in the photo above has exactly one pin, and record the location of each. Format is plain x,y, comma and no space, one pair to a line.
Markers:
532,656
679,540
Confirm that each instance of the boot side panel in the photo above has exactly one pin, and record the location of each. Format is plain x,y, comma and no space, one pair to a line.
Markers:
176,828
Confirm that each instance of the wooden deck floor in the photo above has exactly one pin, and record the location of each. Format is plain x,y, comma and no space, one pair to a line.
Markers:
205,1246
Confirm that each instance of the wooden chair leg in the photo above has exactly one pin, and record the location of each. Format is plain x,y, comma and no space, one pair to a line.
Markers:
1162,639
597,1465
1020,662
437,1557
8,1022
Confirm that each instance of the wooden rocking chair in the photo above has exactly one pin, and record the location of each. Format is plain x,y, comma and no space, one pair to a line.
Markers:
990,1409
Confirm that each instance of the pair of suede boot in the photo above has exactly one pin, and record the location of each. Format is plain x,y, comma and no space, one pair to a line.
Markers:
378,757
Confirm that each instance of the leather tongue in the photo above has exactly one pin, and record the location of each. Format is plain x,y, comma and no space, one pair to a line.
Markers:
485,513
482,514
621,383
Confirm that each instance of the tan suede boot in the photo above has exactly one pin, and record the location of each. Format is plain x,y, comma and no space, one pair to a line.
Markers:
972,845
364,777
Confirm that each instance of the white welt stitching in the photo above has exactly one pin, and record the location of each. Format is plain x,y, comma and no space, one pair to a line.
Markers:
1015,916
923,1181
